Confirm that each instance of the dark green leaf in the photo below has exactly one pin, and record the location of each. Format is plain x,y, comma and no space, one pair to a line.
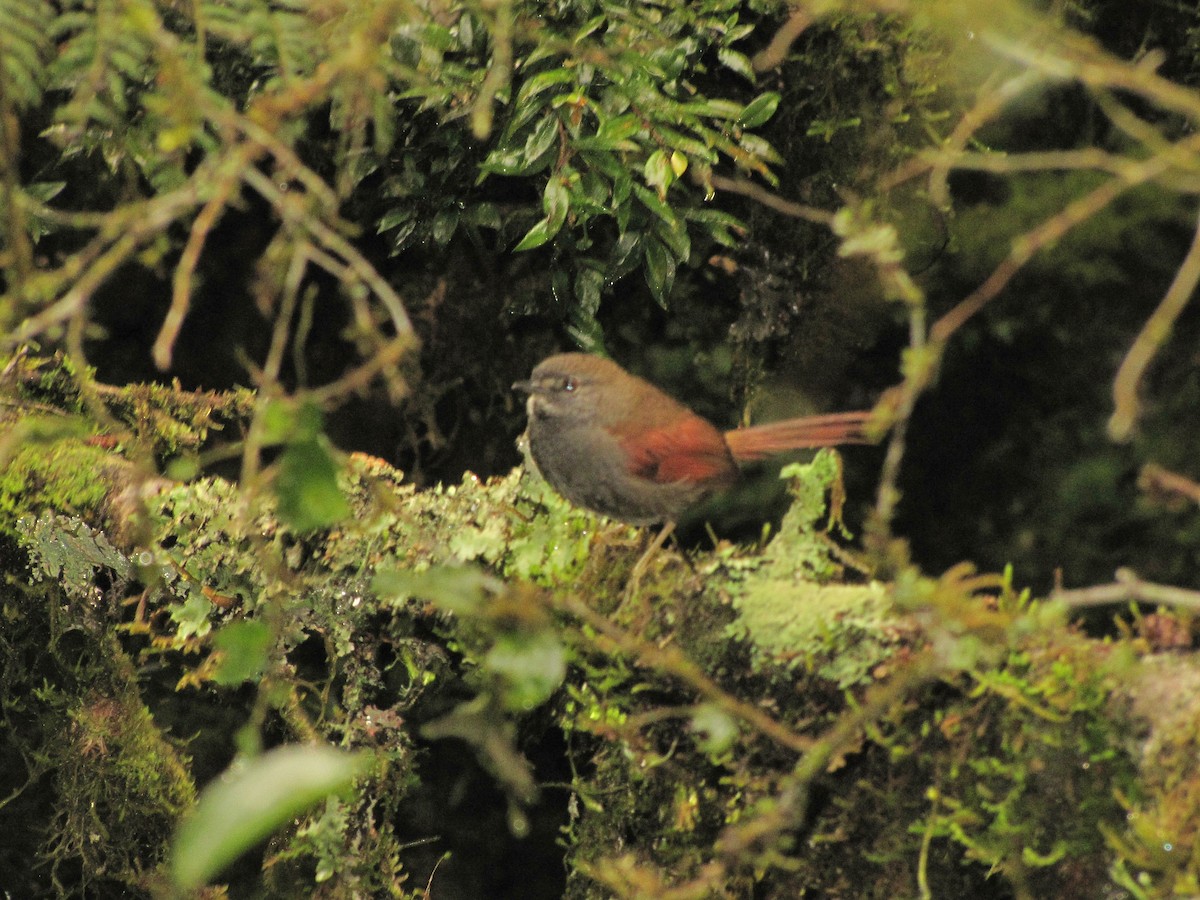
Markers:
445,223
588,284
560,286
540,141
626,254
556,201
652,202
395,217
759,110
536,236
660,270
509,161
619,128
676,238
541,81
485,215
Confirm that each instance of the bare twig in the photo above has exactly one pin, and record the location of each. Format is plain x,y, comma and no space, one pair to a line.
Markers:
989,105
385,358
1088,158
119,240
1155,477
181,285
1079,59
1152,336
673,661
1049,231
776,52
335,243
773,201
499,71
1125,588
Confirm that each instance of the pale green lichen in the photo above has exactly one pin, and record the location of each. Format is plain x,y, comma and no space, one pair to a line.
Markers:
839,632
789,614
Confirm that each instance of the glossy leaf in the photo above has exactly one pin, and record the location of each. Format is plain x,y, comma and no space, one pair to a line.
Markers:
540,141
541,81
737,62
759,110
676,239
536,236
625,255
556,201
588,284
445,223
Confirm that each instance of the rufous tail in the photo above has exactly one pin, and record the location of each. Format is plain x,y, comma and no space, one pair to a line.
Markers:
762,441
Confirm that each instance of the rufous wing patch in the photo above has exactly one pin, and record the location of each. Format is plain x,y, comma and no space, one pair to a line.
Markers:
689,449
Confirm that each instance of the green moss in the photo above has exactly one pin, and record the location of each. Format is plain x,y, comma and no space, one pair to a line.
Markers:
999,764
68,476
121,786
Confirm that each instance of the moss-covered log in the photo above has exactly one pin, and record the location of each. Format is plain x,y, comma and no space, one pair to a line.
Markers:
753,721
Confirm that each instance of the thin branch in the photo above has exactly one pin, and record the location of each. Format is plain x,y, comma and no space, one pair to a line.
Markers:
292,281
1156,478
1152,336
87,271
773,201
72,302
1051,230
1049,160
673,661
334,242
791,802
499,72
181,283
356,380
1127,587
990,104
1079,59
776,52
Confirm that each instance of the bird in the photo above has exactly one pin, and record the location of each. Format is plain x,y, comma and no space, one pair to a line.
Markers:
615,444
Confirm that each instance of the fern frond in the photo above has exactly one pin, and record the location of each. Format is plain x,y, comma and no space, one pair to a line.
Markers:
105,60
277,36
25,50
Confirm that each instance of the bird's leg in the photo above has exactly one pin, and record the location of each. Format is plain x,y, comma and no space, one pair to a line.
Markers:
643,563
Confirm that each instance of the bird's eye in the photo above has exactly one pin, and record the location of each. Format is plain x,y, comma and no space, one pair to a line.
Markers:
568,385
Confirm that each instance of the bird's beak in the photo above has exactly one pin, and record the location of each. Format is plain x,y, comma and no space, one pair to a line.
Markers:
526,386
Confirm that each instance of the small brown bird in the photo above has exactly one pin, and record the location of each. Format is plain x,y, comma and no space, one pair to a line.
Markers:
613,443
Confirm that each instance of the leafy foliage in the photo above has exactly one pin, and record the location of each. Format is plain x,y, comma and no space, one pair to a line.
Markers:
601,114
